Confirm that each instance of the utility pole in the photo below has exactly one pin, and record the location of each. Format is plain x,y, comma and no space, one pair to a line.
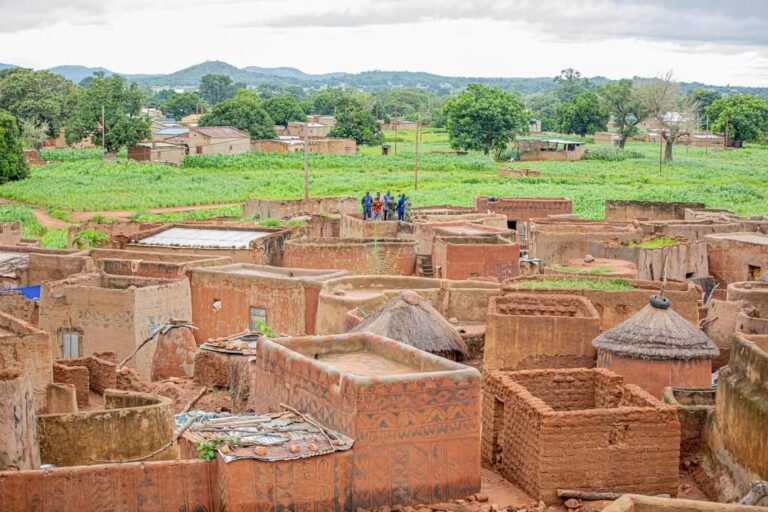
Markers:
397,123
661,141
103,132
416,169
726,131
306,161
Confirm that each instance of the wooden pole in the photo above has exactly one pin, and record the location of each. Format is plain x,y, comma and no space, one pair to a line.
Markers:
306,161
416,168
726,131
661,141
397,123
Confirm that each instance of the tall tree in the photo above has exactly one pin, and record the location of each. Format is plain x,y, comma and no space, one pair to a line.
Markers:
678,123
13,166
485,118
245,112
284,109
217,88
746,115
182,104
659,96
626,107
585,114
355,121
39,97
124,123
570,84
544,108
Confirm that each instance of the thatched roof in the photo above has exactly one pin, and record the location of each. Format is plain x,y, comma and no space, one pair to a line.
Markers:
657,332
411,319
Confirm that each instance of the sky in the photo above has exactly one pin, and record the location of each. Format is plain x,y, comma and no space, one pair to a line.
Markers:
712,41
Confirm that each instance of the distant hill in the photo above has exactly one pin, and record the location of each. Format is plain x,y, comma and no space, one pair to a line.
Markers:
6,66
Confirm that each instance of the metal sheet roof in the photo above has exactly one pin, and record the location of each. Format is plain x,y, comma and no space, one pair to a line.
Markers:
210,238
221,132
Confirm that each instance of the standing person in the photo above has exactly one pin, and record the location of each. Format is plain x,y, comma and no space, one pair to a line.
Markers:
392,206
386,205
367,203
377,207
408,206
401,207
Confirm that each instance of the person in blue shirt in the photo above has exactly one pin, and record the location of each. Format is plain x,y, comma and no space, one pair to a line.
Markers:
401,207
367,203
386,197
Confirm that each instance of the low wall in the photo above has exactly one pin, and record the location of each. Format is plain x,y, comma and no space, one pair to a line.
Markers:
751,325
10,233
15,304
359,256
132,425
684,260
695,407
556,241
465,257
283,209
652,210
353,226
691,230
76,376
735,257
524,208
28,348
638,503
325,226
752,293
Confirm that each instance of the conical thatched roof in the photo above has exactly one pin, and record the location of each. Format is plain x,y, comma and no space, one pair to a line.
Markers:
411,319
657,332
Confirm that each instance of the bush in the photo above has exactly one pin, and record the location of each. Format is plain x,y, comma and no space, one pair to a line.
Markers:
611,154
13,165
89,238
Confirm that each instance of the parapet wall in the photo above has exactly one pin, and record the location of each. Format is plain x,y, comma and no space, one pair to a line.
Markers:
28,348
387,256
524,208
735,257
681,261
753,293
556,241
353,226
133,425
652,210
482,256
284,209
691,230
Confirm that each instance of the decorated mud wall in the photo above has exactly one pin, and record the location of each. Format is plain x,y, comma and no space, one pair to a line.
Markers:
389,256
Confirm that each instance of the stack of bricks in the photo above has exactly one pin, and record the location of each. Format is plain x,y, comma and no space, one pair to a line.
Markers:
578,429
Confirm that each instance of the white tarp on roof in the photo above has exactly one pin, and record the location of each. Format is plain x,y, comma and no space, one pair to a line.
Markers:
212,238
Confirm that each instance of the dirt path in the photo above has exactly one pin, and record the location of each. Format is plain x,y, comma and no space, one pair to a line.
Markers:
122,214
48,221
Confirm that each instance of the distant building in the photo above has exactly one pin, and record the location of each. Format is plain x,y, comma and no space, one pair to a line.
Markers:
534,126
551,149
161,123
191,120
157,152
168,133
314,130
326,120
292,144
204,140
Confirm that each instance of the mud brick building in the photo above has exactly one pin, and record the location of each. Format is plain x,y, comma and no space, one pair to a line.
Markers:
523,209
603,267
287,208
101,312
353,226
231,298
243,244
389,256
735,257
27,348
558,240
528,331
693,230
481,256
578,429
752,293
650,210
415,417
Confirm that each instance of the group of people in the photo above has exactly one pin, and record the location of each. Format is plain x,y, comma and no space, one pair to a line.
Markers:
384,208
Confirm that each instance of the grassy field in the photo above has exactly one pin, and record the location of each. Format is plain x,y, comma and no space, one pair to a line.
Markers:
736,180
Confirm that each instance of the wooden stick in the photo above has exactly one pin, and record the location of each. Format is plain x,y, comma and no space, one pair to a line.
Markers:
194,400
130,356
587,495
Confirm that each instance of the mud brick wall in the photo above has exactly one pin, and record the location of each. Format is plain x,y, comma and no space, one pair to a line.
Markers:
730,260
358,256
558,242
101,373
528,331
541,442
694,410
222,370
461,259
416,436
10,233
140,487
78,376
135,424
28,348
353,226
283,209
679,262
322,226
694,231
17,305
653,210
524,208
753,293
52,267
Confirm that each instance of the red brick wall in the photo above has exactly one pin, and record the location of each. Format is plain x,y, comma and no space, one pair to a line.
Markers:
524,208
621,440
461,261
359,256
654,376
140,487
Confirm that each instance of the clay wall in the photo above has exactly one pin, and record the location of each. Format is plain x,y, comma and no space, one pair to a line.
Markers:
751,325
187,485
118,232
76,376
638,503
353,226
737,257
325,226
524,208
132,425
754,294
464,257
285,209
599,266
17,305
289,297
101,372
578,429
652,210
426,233
10,233
26,276
464,300
694,410
684,260
389,256
27,348
739,441
556,241
529,331
694,231
615,306
400,423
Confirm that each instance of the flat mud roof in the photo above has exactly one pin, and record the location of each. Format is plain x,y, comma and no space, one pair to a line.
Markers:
211,238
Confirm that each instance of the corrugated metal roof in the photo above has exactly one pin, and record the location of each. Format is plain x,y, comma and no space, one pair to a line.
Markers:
173,131
221,132
211,238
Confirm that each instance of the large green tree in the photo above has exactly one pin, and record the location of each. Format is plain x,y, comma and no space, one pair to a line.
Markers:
124,124
747,117
182,104
626,107
217,88
39,97
245,111
485,118
585,114
570,84
703,98
355,121
544,108
284,109
13,166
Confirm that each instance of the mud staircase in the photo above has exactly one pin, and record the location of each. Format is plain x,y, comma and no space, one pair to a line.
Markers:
424,266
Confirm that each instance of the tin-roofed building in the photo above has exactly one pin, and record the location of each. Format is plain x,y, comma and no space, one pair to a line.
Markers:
204,140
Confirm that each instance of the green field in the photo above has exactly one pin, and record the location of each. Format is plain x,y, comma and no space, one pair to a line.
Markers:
736,180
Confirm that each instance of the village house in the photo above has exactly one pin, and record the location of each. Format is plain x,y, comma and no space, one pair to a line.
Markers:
161,152
168,133
308,129
222,140
550,150
295,144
